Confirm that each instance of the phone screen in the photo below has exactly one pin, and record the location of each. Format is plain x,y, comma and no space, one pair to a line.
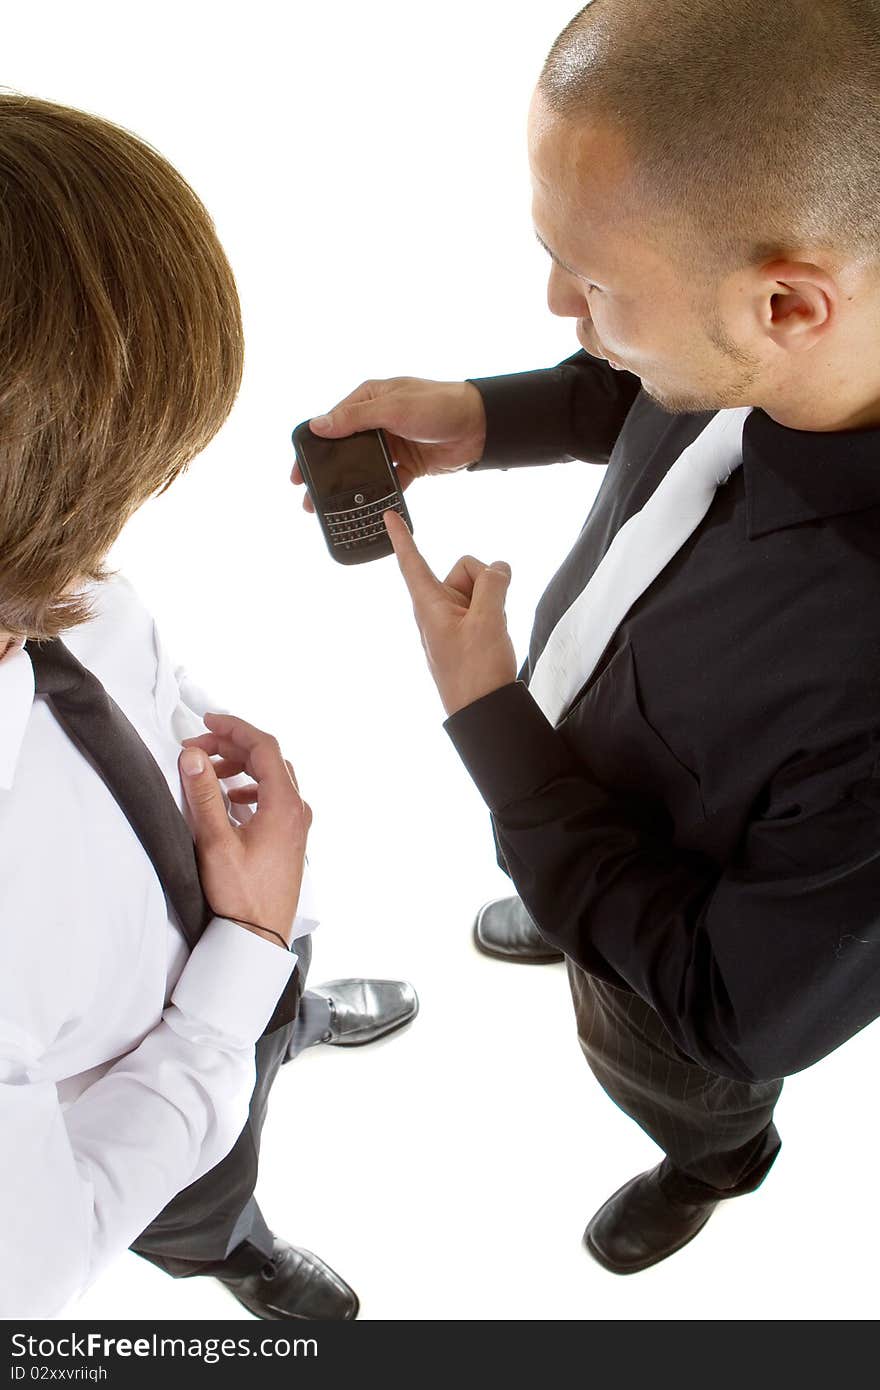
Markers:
342,465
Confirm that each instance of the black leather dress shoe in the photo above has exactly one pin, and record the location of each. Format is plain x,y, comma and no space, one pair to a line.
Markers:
363,1010
640,1225
504,929
294,1285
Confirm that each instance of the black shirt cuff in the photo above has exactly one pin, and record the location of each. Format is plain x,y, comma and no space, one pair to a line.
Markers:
507,745
526,418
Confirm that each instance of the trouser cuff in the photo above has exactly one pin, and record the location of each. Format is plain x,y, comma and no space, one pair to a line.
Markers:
244,1259
751,1164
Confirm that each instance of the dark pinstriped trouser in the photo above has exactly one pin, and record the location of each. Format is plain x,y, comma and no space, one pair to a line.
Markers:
718,1134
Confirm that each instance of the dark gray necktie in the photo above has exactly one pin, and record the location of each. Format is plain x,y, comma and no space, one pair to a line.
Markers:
97,725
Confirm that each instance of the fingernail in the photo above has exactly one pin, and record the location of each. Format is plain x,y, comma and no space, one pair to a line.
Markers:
192,762
321,422
502,567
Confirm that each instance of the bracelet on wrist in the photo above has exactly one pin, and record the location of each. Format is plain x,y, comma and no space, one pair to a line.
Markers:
268,930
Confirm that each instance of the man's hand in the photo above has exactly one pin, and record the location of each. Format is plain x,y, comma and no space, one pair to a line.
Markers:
430,427
462,622
252,872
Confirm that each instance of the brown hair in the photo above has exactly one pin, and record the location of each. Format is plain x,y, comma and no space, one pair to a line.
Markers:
121,348
754,125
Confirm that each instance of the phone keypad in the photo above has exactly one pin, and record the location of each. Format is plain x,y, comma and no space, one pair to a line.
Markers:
361,525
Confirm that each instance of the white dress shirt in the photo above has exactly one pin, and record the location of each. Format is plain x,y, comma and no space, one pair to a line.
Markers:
126,1061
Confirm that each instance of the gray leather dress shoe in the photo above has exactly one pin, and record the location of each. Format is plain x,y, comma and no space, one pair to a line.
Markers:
293,1286
640,1225
363,1010
504,929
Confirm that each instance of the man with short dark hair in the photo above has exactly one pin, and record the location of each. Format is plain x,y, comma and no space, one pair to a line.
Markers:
685,779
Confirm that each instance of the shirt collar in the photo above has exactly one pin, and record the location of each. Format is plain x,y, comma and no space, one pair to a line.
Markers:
804,475
17,685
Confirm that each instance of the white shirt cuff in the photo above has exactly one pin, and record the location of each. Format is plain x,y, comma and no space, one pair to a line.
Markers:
232,981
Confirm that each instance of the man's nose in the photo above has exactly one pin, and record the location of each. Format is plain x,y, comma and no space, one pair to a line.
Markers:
566,296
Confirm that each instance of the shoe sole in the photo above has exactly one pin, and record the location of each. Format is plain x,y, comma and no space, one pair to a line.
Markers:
551,958
643,1264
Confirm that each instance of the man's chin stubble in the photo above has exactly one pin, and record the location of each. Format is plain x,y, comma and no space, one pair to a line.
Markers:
733,396
676,405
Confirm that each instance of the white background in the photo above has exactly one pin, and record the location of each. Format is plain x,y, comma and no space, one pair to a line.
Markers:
366,169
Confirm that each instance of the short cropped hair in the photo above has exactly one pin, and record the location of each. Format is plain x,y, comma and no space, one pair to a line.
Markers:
754,125
121,348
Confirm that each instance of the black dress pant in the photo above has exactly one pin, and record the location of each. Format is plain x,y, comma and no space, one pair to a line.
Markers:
718,1134
218,1213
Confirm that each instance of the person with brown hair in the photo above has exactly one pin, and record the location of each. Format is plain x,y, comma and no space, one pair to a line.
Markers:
156,928
684,779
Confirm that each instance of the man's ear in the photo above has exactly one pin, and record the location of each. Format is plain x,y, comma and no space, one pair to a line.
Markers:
799,304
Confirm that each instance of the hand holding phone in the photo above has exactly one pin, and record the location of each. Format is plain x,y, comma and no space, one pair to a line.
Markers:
352,483
429,427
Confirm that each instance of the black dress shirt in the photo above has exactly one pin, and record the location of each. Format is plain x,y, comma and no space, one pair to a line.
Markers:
703,827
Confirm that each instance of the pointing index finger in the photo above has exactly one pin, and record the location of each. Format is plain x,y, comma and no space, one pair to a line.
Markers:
417,573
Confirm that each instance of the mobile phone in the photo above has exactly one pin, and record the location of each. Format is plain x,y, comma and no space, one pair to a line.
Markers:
351,482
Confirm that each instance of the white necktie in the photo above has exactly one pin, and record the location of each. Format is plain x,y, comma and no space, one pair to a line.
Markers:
643,547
